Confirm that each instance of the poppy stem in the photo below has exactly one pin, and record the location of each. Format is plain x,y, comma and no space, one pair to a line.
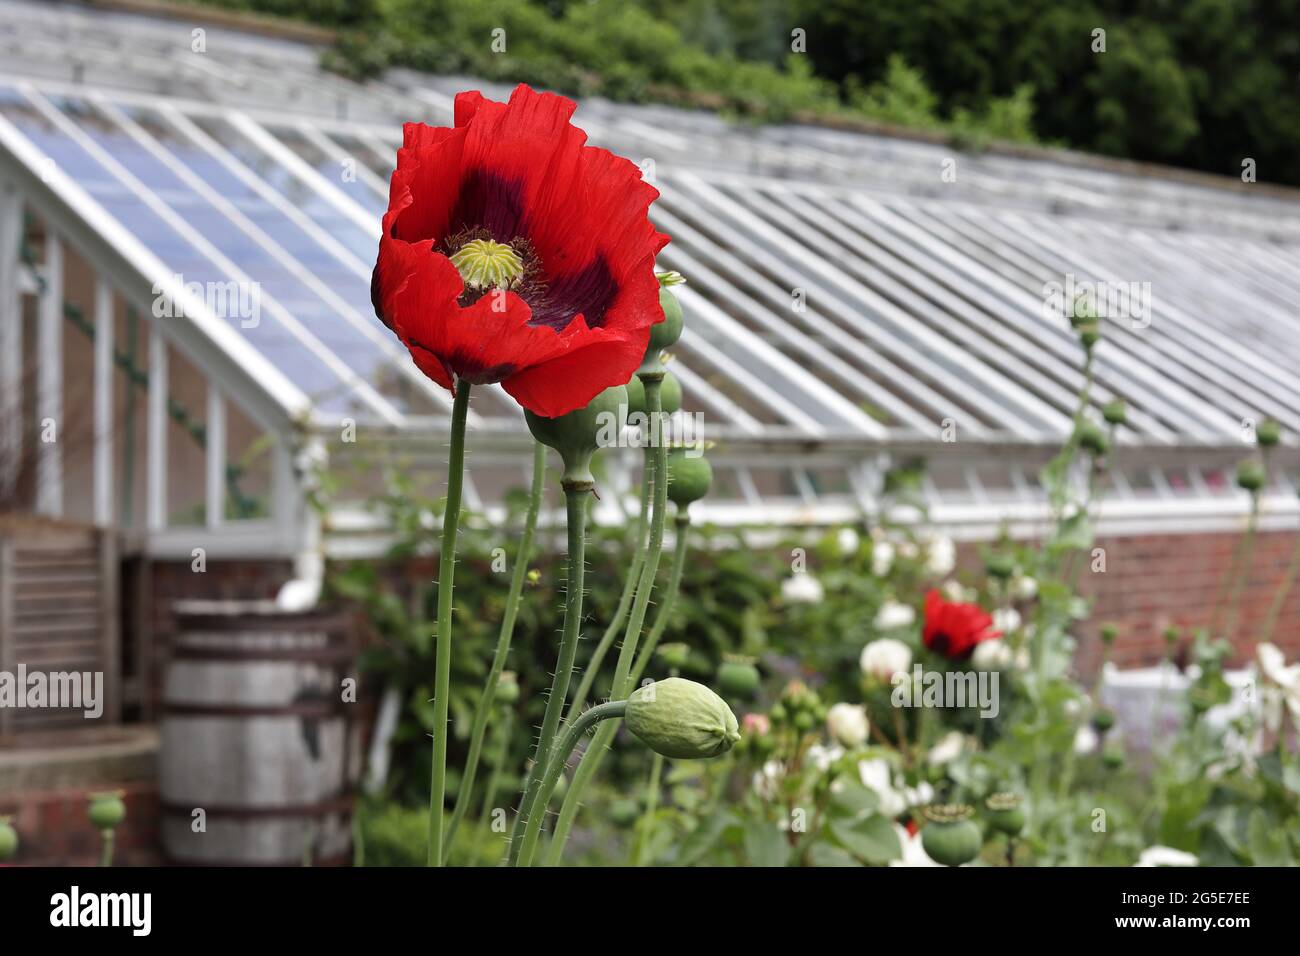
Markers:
483,710
501,732
533,810
446,575
625,599
669,597
627,653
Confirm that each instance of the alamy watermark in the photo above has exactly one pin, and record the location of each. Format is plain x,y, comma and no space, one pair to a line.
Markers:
1119,301
55,690
226,300
923,688
624,429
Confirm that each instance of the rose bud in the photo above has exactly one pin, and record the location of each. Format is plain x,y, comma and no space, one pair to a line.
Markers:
689,476
507,690
950,836
1114,412
681,719
738,676
1005,813
8,840
847,724
107,809
577,435
1269,433
1250,475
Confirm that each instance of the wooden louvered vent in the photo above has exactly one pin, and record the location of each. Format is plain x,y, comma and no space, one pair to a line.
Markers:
58,615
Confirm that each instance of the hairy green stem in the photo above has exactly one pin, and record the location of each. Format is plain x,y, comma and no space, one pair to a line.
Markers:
446,576
501,746
527,826
483,710
665,612
651,805
625,599
627,653
106,852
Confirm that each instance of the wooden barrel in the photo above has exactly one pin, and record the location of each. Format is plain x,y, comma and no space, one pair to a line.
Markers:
257,735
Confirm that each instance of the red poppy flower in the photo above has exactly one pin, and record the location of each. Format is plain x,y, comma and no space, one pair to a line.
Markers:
513,253
953,629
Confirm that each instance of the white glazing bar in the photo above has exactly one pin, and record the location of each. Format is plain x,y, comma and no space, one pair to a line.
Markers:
49,383
11,341
215,457
156,430
345,374
104,424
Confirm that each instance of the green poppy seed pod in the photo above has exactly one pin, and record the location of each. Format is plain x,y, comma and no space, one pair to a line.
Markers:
778,714
1103,720
507,689
689,475
675,655
1005,813
662,334
107,809
577,435
999,564
1090,336
738,676
1108,633
1268,434
1112,757
950,836
670,395
1250,475
623,812
1092,438
1114,412
8,840
681,719
1082,314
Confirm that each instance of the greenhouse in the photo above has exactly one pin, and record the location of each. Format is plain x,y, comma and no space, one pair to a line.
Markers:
881,351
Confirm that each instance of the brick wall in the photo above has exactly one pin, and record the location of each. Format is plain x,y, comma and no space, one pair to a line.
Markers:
55,830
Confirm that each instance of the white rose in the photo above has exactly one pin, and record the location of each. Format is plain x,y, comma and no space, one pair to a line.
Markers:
848,541
1024,587
941,556
893,615
802,588
767,781
948,748
877,775
882,558
847,723
1085,740
884,658
1166,856
1006,620
993,655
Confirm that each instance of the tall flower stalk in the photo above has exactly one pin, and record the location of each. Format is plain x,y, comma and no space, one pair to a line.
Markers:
446,577
483,710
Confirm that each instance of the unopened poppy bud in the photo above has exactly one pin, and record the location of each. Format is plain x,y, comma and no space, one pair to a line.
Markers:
681,719
738,676
950,836
670,395
107,809
999,564
1268,434
674,655
1114,412
623,812
8,840
1005,813
1092,438
577,435
1103,720
689,476
507,689
663,334
1250,475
